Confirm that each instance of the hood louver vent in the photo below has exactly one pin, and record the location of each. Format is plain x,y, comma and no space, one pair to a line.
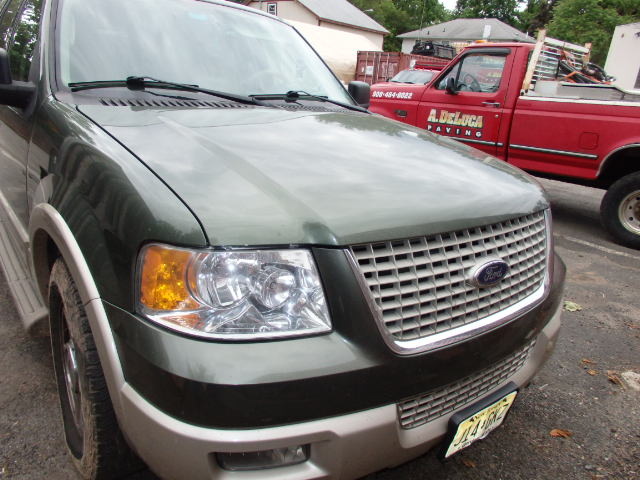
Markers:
178,103
308,108
166,103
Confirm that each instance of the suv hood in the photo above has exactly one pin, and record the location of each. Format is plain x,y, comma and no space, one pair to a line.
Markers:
271,176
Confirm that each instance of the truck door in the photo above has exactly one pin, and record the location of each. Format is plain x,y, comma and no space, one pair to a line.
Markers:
396,100
474,113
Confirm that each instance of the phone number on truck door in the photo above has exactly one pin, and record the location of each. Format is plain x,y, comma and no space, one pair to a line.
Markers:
401,95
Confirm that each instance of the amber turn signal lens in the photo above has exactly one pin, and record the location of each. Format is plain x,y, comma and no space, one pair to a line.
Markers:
163,281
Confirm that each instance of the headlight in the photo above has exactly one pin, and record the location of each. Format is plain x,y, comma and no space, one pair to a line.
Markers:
232,295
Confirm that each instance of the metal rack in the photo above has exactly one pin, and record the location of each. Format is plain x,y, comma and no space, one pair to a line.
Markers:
545,60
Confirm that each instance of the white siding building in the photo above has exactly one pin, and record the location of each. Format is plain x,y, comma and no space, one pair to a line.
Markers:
335,28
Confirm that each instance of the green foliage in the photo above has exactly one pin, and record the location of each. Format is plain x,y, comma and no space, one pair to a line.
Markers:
626,8
503,10
536,15
401,16
582,21
24,40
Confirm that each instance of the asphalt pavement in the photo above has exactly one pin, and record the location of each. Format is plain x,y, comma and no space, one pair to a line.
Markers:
586,392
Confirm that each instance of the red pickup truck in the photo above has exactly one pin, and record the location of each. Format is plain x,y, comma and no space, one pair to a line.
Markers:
579,133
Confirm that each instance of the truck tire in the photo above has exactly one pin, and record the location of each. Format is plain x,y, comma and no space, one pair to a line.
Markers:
620,210
91,430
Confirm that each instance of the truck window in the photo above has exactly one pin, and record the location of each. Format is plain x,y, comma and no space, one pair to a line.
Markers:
24,40
477,72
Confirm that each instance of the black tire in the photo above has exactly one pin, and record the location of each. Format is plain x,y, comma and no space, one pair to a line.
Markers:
91,430
620,210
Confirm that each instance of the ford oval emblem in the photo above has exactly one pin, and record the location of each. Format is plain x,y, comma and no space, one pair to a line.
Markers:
488,272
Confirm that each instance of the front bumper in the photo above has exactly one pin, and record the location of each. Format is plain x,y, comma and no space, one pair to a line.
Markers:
256,385
342,447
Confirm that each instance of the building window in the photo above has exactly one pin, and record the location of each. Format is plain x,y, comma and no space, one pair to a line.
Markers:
272,8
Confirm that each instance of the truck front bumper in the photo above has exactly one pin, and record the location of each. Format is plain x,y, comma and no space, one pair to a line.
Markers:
341,447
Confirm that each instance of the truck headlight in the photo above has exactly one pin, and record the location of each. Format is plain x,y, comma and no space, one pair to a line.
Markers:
232,295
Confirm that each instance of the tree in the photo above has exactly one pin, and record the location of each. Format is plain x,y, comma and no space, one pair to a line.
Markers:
582,21
536,15
503,10
422,8
401,16
24,40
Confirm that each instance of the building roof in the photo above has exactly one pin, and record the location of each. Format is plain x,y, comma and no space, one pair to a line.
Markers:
469,29
341,12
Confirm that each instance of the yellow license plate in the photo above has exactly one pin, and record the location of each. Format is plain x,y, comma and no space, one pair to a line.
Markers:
480,424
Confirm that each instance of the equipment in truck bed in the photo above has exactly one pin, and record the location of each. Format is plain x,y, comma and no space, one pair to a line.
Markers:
556,60
433,49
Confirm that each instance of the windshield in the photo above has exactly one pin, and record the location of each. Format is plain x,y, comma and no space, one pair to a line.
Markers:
413,76
188,41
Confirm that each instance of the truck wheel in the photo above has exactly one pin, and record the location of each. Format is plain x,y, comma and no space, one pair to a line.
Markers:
93,437
620,210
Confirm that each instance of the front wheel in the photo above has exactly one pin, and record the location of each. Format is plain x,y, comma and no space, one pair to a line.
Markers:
93,437
620,210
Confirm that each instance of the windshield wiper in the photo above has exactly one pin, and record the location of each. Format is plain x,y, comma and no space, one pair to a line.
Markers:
294,95
140,83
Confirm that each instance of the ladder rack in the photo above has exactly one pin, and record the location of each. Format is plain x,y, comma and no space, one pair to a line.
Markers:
545,60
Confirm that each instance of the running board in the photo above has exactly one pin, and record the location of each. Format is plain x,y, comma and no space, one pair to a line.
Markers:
25,295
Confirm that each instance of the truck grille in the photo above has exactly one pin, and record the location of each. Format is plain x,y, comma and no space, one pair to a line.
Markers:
419,285
425,408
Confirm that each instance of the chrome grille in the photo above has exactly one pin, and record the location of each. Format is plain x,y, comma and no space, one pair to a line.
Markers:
424,408
419,285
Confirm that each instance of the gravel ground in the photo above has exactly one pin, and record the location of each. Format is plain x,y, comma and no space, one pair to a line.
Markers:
581,390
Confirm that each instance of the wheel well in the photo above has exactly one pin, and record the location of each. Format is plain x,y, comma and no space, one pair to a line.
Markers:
44,253
621,163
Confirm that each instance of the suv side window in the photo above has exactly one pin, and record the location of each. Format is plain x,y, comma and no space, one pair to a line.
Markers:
9,13
477,72
3,3
24,40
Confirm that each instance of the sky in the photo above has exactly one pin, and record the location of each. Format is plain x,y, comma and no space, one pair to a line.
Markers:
449,4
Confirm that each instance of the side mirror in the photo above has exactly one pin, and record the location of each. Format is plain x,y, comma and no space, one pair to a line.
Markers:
13,94
360,91
450,87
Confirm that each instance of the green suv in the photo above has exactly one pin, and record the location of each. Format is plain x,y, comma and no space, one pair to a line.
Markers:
244,273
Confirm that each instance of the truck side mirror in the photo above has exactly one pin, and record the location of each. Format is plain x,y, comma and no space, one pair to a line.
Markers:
450,86
13,94
360,92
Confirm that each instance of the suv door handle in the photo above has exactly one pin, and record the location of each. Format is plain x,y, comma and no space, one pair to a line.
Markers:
491,104
401,113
